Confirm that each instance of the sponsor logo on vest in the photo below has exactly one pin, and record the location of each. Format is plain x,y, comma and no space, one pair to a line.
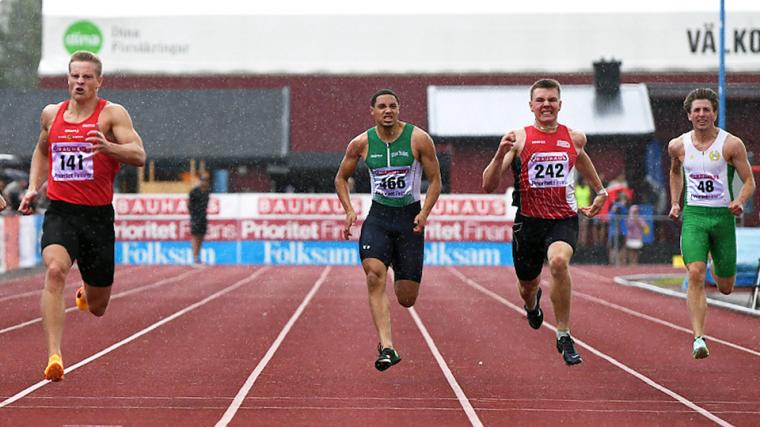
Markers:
83,35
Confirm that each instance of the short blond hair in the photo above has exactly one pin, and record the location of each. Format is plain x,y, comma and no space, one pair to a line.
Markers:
85,56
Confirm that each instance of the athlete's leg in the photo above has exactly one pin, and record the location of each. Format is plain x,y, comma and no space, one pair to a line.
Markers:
52,304
559,255
696,300
406,292
723,251
196,241
97,298
725,284
379,306
528,290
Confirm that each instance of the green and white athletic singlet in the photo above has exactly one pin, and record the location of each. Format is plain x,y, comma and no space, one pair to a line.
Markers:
708,176
394,173
708,226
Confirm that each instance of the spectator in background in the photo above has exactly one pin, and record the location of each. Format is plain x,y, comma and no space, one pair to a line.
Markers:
583,198
14,192
636,228
198,206
3,184
616,235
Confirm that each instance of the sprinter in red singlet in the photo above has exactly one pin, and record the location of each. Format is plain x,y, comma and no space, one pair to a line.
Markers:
544,157
82,143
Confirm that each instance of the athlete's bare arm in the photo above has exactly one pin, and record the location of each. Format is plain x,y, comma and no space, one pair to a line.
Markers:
38,171
585,166
510,146
423,149
357,149
736,155
676,153
117,137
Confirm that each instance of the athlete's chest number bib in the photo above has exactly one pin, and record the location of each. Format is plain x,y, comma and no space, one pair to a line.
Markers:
391,182
548,169
704,186
72,161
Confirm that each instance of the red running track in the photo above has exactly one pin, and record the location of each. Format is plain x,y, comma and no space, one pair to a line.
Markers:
296,346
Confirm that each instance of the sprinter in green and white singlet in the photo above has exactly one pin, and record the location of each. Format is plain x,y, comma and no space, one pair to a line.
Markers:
393,234
702,167
395,175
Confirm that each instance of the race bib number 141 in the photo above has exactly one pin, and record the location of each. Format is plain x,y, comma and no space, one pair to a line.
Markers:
72,161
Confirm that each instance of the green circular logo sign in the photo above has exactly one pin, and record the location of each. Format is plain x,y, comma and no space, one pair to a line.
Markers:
83,35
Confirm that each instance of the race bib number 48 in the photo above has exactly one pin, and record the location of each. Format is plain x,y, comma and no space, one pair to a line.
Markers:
705,186
72,161
548,169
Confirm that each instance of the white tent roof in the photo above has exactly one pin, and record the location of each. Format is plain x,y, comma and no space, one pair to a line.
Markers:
490,111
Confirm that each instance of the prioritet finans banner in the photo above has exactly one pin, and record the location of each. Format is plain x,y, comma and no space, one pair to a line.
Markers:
301,229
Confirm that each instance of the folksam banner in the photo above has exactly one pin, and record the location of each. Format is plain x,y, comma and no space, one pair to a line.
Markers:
301,229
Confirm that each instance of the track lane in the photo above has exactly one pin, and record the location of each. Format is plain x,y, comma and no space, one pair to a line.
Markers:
323,373
659,352
186,371
511,370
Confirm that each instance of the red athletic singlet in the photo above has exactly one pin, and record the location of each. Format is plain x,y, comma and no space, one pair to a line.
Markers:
546,183
75,173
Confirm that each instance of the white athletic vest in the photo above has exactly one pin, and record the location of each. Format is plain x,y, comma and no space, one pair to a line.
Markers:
707,175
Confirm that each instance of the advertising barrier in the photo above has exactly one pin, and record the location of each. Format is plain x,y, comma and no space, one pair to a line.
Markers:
301,229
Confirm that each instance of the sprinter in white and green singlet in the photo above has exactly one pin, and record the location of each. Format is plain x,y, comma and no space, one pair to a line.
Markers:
702,168
393,235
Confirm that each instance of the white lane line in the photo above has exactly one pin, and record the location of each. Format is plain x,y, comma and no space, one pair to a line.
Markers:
113,297
657,320
686,402
463,400
632,282
41,278
248,385
133,337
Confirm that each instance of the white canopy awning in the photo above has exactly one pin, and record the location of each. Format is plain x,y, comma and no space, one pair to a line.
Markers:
486,111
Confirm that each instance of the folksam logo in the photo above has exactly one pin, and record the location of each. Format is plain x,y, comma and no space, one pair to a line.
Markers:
83,35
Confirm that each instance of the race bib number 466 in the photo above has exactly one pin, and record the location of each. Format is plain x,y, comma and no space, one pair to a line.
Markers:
72,161
392,182
548,169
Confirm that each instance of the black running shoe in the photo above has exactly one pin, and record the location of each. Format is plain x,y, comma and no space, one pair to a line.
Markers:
566,347
535,316
387,358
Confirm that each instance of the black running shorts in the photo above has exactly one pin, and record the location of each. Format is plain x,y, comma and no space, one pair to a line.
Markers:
388,235
531,238
198,226
87,234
